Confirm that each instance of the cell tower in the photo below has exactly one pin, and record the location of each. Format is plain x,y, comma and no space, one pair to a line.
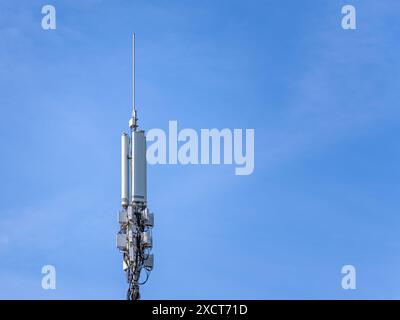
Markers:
134,239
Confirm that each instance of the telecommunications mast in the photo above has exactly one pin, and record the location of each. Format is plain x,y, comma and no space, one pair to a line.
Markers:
134,239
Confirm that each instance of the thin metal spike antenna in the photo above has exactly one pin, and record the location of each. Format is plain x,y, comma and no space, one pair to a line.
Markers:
133,122
134,238
133,73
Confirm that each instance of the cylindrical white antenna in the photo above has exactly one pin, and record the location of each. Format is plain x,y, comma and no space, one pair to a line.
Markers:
124,170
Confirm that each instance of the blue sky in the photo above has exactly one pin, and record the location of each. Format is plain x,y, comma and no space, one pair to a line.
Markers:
324,105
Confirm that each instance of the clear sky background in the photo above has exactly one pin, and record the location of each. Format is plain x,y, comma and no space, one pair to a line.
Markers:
324,103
